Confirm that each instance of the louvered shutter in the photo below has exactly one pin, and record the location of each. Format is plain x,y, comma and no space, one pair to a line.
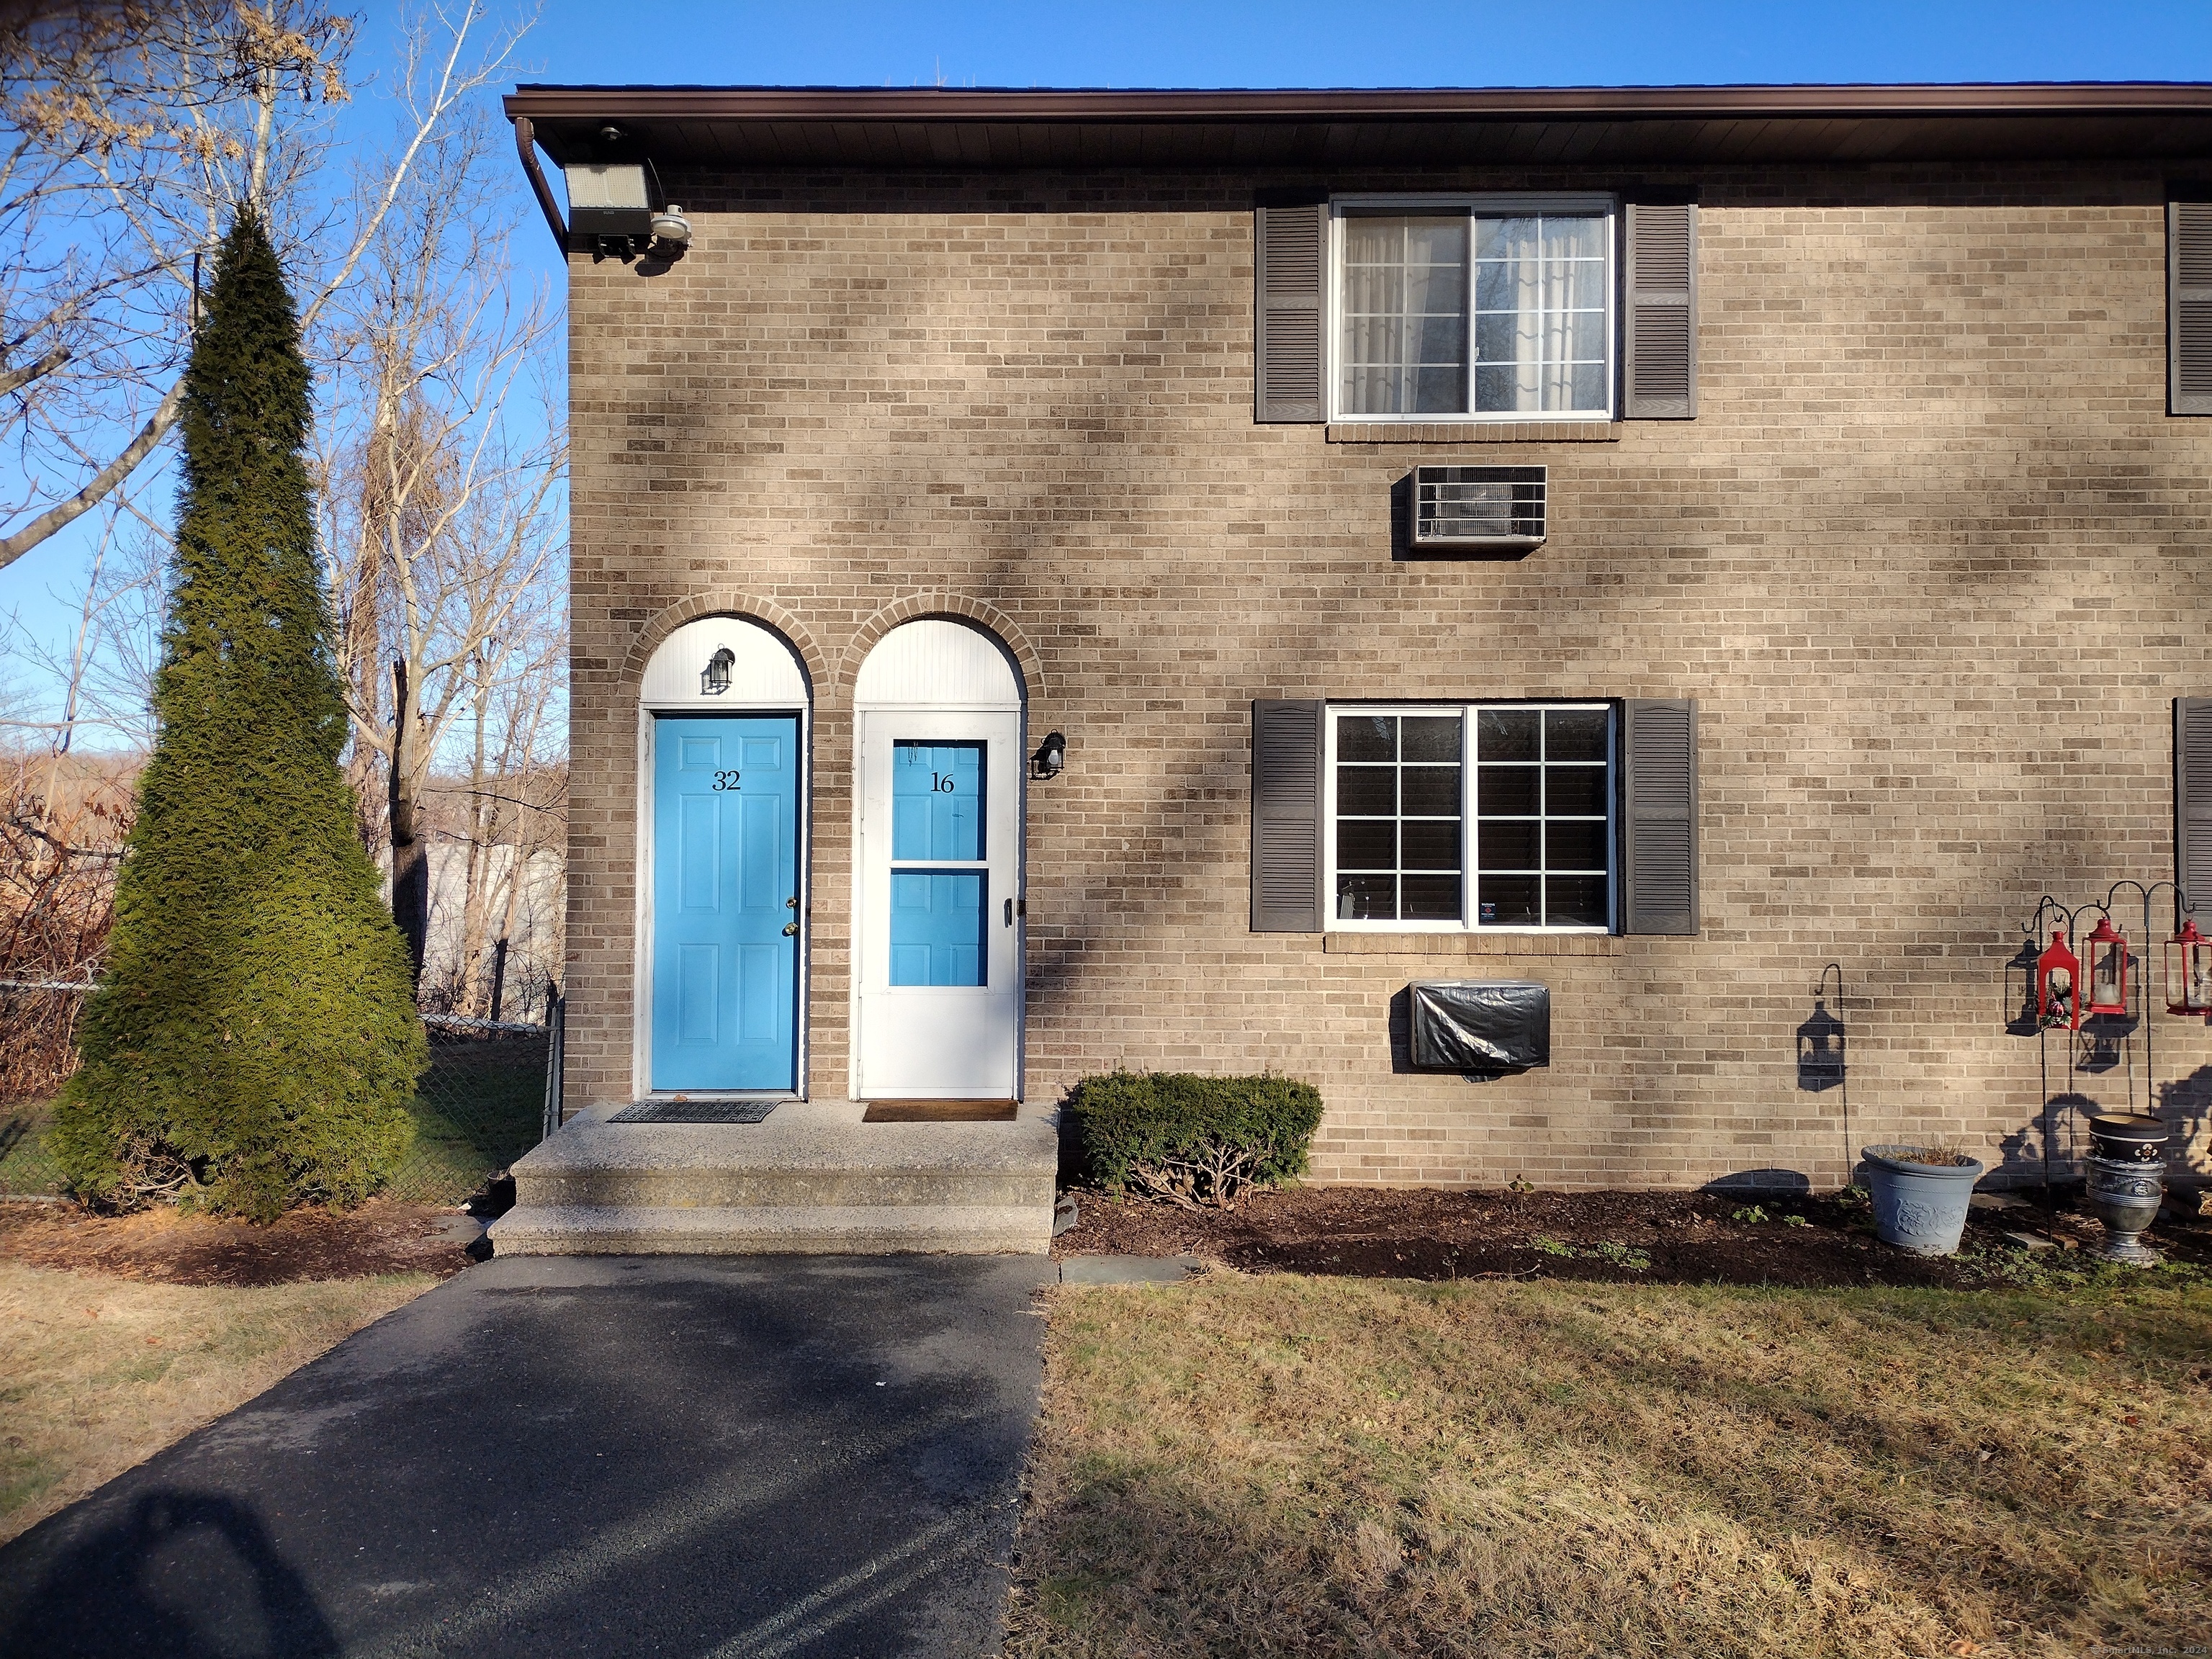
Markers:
1659,337
2189,307
1659,885
2192,799
1286,311
1286,814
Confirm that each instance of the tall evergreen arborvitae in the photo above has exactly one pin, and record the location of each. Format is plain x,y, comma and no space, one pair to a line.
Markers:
254,1041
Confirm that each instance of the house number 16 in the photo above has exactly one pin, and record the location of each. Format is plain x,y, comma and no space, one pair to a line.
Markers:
940,784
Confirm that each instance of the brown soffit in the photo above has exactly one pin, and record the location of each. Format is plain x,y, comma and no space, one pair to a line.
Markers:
962,128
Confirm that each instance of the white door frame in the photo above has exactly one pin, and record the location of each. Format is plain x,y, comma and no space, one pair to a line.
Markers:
767,680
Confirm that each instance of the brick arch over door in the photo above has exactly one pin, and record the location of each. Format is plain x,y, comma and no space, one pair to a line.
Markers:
914,606
727,603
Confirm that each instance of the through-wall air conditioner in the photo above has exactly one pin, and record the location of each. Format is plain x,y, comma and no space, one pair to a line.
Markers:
1477,509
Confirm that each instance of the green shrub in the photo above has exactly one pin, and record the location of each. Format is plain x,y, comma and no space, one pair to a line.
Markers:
1194,1140
254,1043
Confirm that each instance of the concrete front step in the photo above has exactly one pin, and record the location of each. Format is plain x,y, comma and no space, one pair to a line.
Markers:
777,1230
811,1177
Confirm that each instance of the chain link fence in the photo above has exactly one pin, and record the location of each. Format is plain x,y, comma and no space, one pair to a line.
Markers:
490,1093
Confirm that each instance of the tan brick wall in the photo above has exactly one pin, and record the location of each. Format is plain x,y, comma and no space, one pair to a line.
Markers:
1931,560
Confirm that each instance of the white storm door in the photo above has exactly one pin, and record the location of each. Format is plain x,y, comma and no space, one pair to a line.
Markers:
941,960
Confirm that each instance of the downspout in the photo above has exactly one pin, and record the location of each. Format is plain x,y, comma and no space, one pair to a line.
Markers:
526,137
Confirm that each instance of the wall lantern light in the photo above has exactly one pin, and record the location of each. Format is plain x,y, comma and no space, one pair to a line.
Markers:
715,678
2108,968
1051,757
2189,971
2058,975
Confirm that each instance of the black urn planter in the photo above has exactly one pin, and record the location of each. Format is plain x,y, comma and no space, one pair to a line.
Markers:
2126,1171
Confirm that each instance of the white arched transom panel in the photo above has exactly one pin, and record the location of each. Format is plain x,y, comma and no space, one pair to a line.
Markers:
938,663
765,674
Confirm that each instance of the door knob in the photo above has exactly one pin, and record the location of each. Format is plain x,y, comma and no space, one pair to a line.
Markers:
791,903
790,929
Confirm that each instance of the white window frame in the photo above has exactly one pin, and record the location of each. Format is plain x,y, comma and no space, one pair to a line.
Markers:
1470,203
1469,801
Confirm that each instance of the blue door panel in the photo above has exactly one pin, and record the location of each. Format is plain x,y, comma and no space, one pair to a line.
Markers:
725,865
762,884
758,1005
937,927
698,874
696,995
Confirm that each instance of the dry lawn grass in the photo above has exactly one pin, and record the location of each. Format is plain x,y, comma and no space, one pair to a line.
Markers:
97,1373
1325,1467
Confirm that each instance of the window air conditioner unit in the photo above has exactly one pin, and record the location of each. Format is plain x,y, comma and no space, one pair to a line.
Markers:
1488,510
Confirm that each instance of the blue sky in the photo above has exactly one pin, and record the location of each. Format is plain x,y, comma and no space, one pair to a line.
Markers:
1188,43
1408,43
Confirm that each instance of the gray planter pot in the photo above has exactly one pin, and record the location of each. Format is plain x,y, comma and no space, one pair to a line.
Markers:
2125,1197
1920,1207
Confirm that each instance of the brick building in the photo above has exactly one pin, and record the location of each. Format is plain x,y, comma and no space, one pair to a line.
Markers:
1655,543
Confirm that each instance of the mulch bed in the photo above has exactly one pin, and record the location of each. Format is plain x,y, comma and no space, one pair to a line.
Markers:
1624,1237
162,1247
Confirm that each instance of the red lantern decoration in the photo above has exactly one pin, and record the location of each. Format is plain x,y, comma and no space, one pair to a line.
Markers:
2058,975
2108,968
2189,971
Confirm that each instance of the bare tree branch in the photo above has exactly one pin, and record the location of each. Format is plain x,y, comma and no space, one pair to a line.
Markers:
157,427
13,378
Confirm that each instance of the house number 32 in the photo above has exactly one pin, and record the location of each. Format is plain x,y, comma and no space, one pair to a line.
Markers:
725,780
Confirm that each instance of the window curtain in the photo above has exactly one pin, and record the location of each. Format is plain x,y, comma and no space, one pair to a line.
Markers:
1404,301
1540,304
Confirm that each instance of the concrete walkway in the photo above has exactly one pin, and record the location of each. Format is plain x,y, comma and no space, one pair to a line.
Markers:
594,1455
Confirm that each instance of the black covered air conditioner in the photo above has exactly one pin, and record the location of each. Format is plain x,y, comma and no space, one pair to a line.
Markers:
1480,1024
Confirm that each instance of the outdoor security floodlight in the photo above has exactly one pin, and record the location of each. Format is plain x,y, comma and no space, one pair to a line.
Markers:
609,200
715,678
1051,757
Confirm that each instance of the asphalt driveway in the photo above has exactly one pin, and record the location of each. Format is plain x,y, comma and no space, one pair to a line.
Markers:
762,1455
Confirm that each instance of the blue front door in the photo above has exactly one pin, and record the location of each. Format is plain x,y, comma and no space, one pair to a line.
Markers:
726,902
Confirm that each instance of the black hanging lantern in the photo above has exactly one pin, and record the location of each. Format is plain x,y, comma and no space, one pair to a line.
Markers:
715,678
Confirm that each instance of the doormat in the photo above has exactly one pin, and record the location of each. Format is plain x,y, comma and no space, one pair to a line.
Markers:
940,1111
695,1111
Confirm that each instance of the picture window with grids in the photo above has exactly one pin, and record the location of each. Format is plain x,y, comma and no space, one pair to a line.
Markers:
1496,815
1488,308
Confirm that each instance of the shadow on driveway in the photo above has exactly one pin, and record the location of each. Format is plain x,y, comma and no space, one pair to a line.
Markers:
761,1455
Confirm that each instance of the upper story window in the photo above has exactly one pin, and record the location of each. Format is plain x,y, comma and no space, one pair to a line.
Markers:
1476,308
